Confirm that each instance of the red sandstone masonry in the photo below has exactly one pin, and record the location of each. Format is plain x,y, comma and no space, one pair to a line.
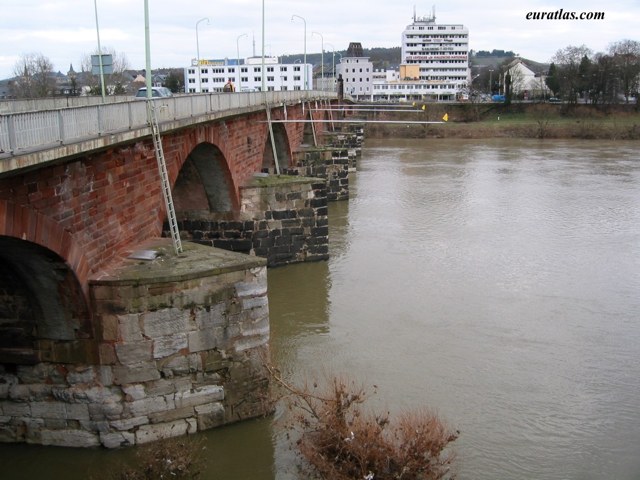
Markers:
93,208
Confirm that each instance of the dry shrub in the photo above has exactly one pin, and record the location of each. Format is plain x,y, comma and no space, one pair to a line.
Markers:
341,441
179,458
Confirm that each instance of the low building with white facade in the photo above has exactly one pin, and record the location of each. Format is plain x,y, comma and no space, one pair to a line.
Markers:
247,75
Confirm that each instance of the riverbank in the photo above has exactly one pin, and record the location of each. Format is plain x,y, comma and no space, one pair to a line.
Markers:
512,121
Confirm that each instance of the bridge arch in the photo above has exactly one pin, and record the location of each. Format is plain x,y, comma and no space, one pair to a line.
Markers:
283,149
43,303
204,183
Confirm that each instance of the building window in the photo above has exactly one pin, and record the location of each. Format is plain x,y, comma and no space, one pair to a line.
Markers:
257,79
269,69
270,79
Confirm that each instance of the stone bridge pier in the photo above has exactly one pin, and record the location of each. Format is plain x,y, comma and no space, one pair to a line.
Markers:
107,336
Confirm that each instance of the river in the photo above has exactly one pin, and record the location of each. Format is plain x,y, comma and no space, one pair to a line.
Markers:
495,281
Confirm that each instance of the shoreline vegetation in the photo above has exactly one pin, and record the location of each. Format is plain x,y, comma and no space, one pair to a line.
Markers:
534,120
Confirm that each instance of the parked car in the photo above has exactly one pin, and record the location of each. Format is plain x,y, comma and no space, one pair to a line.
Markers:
155,92
555,100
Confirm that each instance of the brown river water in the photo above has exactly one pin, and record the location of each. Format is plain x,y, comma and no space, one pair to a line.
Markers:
494,281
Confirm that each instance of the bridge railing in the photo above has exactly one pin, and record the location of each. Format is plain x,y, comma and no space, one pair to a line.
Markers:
26,132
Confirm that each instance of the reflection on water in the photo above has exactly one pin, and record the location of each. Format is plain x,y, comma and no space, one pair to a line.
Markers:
497,282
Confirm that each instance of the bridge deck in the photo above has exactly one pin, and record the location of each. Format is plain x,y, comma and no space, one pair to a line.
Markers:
28,139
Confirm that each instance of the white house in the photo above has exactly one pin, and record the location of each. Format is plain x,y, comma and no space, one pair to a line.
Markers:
357,72
524,81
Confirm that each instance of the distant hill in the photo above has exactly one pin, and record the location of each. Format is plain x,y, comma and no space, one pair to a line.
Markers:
389,58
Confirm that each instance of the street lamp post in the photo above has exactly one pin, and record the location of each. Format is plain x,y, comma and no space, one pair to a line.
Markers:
238,58
95,4
321,57
490,82
198,51
333,63
305,49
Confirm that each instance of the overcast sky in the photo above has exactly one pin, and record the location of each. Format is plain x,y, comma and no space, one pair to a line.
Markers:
65,30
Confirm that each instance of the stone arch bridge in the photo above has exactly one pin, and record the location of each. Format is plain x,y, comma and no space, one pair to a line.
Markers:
107,337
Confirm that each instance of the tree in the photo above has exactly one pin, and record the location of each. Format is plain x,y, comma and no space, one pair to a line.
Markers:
584,76
115,83
175,82
626,57
568,62
552,81
33,72
603,87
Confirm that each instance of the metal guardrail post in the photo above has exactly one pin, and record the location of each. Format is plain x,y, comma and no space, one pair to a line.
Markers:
130,115
12,134
60,128
100,126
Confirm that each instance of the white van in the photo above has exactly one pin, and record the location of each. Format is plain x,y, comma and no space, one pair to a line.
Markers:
155,92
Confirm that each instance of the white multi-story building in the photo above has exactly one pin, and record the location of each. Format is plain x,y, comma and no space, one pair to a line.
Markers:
211,75
434,66
357,72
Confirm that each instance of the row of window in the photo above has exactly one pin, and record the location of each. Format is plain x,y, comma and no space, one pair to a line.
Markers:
415,87
436,54
353,70
205,71
437,47
242,79
436,37
441,27
428,78
218,90
436,61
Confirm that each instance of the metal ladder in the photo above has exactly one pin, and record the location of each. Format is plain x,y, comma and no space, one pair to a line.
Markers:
273,140
164,177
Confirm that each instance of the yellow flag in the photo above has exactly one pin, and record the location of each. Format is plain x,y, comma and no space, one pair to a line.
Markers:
413,104
424,107
446,117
